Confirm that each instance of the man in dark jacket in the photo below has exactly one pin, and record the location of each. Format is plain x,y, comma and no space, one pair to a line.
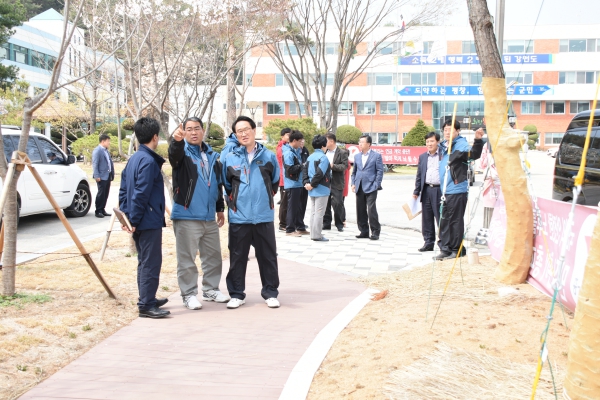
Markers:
197,196
456,153
103,171
251,178
338,160
427,185
142,199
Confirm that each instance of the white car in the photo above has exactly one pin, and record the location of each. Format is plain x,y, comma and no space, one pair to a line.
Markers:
66,181
552,152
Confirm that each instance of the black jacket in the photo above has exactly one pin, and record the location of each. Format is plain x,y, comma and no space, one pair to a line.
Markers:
338,171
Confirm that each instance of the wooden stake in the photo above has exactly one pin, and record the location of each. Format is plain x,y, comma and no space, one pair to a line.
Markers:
69,229
110,228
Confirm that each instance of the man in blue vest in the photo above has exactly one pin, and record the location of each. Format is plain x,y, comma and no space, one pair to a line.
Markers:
197,197
142,199
251,178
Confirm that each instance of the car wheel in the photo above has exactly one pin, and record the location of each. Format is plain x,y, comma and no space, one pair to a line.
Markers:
82,202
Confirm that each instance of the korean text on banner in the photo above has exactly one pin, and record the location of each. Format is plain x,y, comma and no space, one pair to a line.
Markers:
397,155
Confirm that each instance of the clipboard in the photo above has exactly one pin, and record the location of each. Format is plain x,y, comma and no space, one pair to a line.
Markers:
122,218
412,208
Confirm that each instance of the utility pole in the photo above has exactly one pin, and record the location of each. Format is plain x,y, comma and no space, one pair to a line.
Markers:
499,25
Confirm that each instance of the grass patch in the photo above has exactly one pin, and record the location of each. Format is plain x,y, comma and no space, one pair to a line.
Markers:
404,170
20,299
86,328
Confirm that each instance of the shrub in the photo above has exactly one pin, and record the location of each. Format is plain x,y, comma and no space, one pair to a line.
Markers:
110,129
348,134
215,137
533,135
530,128
127,124
416,136
163,150
305,125
86,145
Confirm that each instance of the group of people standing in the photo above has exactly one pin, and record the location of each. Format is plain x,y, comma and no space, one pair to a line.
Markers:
251,176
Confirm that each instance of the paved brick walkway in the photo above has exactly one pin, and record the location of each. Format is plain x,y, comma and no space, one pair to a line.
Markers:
245,353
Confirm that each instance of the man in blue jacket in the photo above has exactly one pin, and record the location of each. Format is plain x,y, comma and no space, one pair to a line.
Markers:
317,181
452,226
142,199
251,178
103,171
197,196
367,174
293,177
230,144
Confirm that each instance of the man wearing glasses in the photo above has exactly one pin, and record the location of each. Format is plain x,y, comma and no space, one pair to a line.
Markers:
197,197
251,178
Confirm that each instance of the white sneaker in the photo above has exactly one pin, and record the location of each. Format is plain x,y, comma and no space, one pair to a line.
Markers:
272,302
192,302
235,303
216,296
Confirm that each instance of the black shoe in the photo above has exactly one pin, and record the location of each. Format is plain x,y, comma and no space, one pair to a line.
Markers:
453,255
106,214
161,302
442,256
99,215
327,228
154,313
362,236
340,229
426,248
323,239
282,229
374,237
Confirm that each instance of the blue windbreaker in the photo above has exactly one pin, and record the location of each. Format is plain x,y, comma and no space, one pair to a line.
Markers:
292,165
317,172
230,144
250,186
206,195
460,145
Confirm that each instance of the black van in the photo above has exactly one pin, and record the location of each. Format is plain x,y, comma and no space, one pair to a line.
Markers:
568,159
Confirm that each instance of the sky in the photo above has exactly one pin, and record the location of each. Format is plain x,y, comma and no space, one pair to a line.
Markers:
525,12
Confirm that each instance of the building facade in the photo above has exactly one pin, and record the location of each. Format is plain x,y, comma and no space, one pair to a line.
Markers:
551,74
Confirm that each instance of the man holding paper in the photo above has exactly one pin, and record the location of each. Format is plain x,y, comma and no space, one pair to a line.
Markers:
427,185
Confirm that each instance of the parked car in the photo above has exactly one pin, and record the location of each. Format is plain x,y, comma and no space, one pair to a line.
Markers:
568,160
66,180
552,152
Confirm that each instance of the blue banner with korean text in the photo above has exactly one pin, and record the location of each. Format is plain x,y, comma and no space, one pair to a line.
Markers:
472,59
469,90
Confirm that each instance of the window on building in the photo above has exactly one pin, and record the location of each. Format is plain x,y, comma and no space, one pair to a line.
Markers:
412,107
388,108
288,49
576,77
276,108
395,48
328,80
470,78
553,138
530,107
518,46
380,79
345,108
4,49
427,47
578,45
578,106
279,81
522,78
468,47
418,79
248,79
20,54
386,138
555,107
315,107
73,98
294,108
365,107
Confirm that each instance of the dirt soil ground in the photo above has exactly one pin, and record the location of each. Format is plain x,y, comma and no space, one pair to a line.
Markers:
390,334
68,311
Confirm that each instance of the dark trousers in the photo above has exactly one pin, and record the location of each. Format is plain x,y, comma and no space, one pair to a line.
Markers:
295,209
283,208
452,228
336,200
366,212
148,244
102,196
430,214
262,237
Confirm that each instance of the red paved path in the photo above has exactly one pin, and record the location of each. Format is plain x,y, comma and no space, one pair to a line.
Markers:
246,353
